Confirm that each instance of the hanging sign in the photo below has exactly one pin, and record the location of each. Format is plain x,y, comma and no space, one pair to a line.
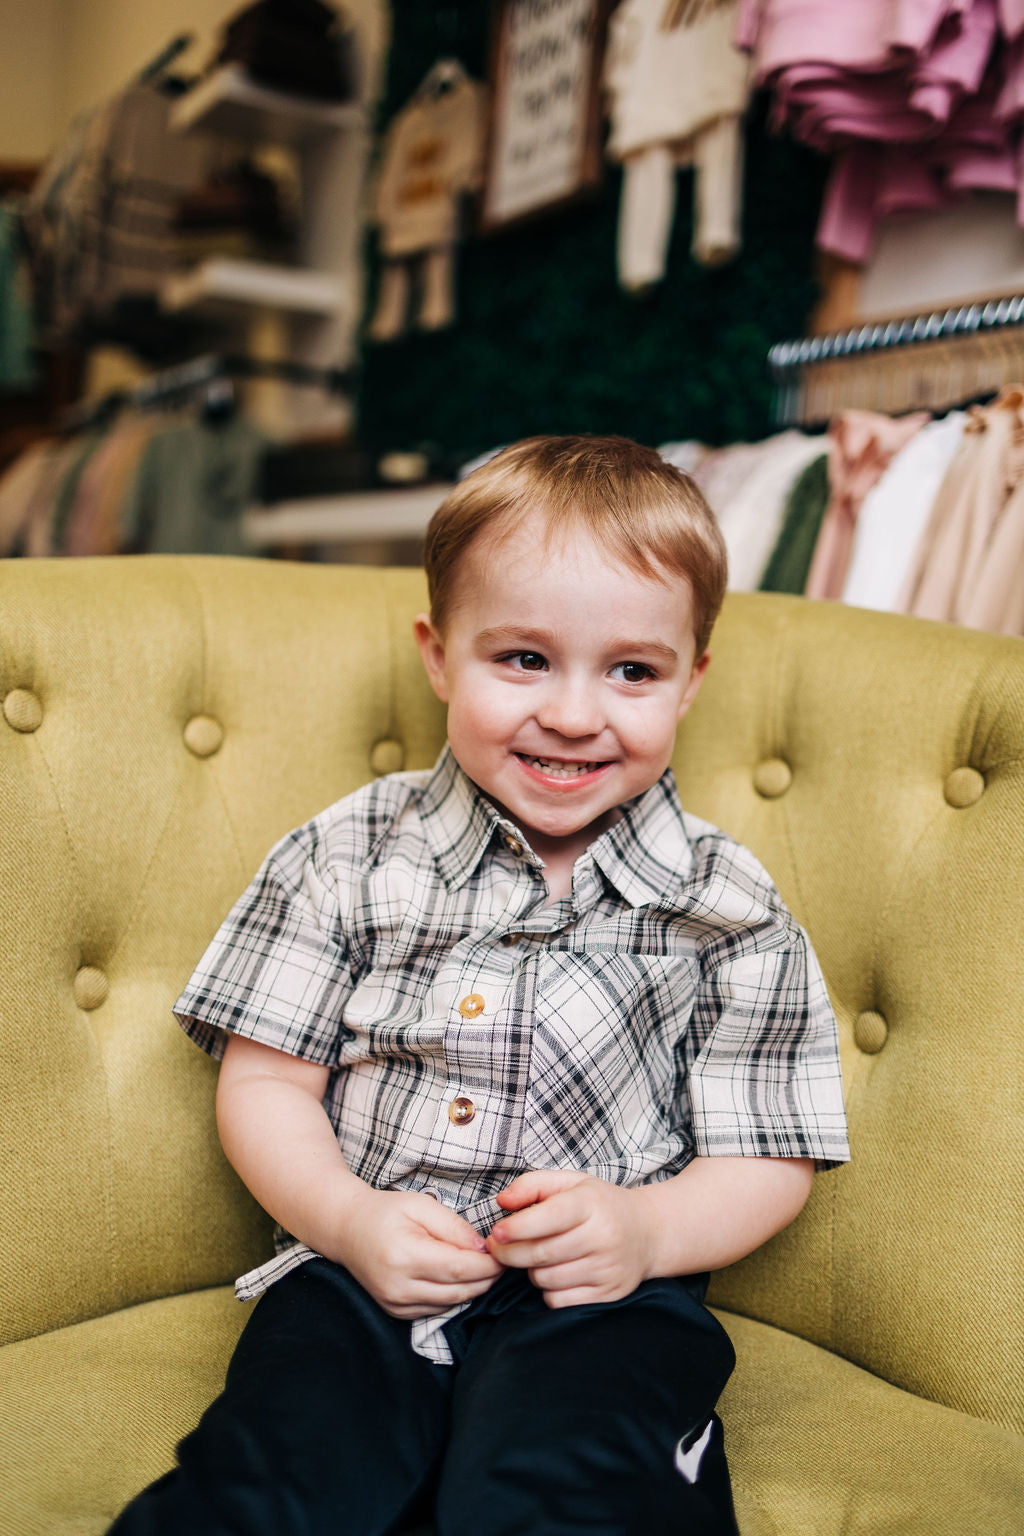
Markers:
544,147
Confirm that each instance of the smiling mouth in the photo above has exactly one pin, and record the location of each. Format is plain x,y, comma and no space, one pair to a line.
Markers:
557,769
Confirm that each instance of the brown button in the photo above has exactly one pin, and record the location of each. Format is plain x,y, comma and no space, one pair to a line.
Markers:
461,1111
870,1032
22,710
203,735
387,756
472,1006
90,988
963,787
513,845
772,778
511,938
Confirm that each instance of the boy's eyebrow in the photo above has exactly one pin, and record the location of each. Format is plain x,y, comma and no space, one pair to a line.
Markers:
512,635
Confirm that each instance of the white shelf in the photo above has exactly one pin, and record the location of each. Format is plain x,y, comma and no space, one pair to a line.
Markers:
225,280
335,519
230,104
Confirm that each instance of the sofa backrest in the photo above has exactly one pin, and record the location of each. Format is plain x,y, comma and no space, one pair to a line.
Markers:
166,719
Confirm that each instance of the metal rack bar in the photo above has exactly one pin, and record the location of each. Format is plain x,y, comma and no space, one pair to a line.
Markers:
787,359
936,326
182,379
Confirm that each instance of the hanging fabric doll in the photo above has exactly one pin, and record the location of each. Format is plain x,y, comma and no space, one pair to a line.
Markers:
432,156
677,90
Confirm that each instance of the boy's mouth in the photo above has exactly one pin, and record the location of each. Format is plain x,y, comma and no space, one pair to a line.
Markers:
556,768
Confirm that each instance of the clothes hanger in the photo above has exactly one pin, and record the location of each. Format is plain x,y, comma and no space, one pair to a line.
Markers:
441,78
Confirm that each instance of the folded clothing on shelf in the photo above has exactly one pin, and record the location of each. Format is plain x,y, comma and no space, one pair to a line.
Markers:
238,209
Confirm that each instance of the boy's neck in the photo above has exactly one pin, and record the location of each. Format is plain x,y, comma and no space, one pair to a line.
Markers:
560,853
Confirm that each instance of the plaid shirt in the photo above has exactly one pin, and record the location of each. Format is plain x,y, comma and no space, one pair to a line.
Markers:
670,1007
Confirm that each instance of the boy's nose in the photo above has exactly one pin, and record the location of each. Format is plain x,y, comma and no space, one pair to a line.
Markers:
571,710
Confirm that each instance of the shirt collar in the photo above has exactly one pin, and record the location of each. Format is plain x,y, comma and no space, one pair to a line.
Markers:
647,852
643,855
459,822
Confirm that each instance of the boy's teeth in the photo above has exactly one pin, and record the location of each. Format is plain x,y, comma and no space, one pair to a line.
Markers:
561,770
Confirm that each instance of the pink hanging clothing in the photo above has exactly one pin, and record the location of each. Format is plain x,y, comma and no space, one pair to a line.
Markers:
918,101
862,446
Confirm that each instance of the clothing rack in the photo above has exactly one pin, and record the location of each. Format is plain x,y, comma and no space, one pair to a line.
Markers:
901,363
183,379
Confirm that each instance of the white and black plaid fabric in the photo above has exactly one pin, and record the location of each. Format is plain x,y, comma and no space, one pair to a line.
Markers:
672,1007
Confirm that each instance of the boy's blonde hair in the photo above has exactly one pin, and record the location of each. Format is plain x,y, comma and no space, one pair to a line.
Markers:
641,509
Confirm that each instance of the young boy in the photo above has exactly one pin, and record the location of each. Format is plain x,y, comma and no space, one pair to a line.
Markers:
515,1051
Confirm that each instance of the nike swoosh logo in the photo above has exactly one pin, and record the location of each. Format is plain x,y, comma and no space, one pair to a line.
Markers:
688,1462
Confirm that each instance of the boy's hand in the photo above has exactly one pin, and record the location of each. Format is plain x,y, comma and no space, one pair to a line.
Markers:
413,1255
581,1239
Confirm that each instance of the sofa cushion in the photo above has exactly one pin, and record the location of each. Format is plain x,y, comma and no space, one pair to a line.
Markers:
818,1445
92,1412
815,1444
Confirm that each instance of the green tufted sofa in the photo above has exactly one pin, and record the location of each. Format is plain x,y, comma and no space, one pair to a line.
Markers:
165,719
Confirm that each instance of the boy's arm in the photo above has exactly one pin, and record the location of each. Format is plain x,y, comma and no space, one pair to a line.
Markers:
584,1240
414,1256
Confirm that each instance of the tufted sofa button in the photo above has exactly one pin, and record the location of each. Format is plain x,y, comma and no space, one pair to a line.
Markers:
203,735
772,778
90,988
387,756
870,1032
22,710
963,787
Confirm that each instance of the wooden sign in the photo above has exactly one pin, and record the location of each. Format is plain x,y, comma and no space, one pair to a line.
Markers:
545,132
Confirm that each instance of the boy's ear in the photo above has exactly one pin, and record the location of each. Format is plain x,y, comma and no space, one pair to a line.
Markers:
432,650
697,675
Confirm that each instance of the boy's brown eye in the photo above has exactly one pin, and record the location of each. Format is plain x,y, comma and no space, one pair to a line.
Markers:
531,661
635,672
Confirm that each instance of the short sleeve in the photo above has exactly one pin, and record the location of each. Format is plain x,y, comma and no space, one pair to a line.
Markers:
766,1080
277,969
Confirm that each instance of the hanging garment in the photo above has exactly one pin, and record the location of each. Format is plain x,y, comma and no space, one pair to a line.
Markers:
17,326
194,481
862,445
791,558
952,570
93,525
916,100
751,517
677,91
432,157
895,513
98,220
19,484
684,455
994,598
721,472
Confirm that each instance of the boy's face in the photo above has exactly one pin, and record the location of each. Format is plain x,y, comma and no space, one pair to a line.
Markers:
565,675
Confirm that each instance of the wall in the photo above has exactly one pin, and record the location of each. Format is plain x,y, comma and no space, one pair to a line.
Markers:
546,340
60,56
29,77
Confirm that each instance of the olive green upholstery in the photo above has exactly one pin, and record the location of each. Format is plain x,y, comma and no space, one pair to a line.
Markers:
165,719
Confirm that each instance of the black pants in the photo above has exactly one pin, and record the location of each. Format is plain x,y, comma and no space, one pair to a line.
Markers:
596,1419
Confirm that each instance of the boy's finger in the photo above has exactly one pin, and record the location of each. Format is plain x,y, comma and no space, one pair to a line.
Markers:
543,1253
443,1264
546,1218
538,1184
447,1225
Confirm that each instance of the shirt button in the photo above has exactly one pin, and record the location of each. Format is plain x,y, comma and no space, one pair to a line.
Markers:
511,938
461,1111
472,1006
513,845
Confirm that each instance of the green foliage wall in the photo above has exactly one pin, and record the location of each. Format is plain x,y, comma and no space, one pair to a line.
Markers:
545,340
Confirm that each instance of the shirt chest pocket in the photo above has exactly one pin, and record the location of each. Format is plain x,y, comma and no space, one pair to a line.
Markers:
603,1079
